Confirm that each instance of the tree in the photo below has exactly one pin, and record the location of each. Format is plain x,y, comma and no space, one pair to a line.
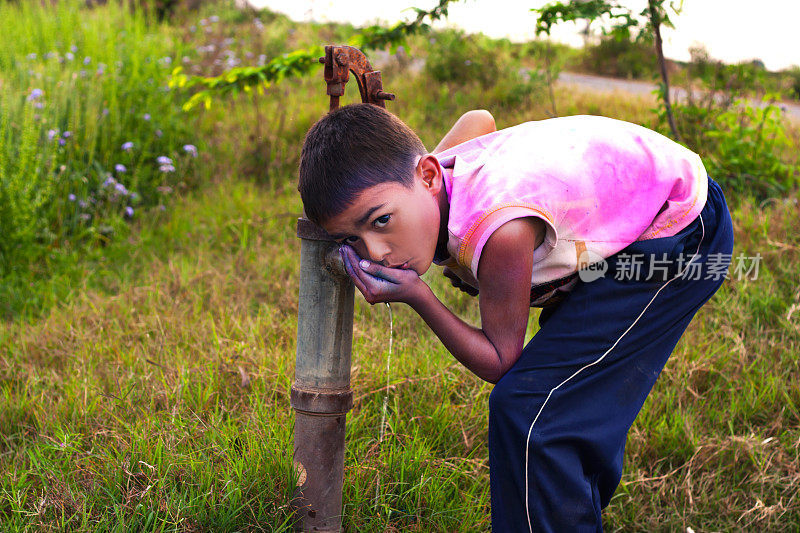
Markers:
623,23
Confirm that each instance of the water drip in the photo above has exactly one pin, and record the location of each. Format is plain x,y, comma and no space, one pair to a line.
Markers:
385,396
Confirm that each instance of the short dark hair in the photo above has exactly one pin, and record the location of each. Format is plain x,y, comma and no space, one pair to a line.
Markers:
351,149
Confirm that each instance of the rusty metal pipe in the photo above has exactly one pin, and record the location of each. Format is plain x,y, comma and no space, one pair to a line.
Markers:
321,394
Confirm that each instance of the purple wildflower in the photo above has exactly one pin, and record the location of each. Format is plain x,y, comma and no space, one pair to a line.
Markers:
213,18
62,142
163,160
32,56
109,182
146,116
73,48
120,168
164,189
87,60
69,56
105,112
121,189
129,211
67,134
158,133
35,93
162,207
38,105
190,149
84,216
82,204
128,146
71,197
166,168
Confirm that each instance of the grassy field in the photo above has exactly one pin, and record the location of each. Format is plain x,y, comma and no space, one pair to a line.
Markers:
145,386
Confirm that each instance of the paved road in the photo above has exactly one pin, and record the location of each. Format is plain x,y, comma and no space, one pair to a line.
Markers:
590,82
612,85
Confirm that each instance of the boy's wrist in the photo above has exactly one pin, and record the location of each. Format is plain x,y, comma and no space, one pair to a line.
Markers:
421,293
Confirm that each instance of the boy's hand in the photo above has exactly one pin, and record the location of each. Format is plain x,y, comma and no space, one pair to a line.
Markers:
456,282
378,283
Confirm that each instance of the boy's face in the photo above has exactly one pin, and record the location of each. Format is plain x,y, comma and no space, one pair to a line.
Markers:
394,225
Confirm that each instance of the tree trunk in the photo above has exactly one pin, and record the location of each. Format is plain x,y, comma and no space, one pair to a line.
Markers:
548,71
655,21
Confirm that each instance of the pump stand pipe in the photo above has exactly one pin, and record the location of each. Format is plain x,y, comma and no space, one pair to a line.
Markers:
321,395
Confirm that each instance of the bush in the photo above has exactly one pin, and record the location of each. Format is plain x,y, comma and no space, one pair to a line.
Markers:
89,132
459,58
746,77
744,146
622,58
794,82
495,66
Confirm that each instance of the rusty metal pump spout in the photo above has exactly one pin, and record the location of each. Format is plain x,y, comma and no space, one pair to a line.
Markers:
339,61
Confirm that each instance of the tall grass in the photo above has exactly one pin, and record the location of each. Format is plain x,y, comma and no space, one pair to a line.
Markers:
76,85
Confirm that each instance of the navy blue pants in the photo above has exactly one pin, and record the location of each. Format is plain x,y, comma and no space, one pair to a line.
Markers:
559,418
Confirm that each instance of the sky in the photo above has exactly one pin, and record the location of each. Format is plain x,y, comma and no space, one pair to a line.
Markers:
731,30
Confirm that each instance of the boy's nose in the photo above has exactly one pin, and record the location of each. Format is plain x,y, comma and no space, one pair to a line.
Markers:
377,250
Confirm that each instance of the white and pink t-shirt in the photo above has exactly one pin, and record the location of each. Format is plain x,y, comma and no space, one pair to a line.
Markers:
598,184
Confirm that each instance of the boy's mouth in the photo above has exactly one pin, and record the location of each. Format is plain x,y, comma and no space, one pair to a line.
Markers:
402,265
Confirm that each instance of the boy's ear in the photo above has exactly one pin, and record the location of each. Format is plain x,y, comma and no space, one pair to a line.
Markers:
429,170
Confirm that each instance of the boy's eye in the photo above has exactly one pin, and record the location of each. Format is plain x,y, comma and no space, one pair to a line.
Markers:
349,240
381,221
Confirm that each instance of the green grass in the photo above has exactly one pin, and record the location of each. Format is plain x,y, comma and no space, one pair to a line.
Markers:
145,385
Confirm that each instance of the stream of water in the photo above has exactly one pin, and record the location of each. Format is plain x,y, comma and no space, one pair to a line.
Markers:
385,397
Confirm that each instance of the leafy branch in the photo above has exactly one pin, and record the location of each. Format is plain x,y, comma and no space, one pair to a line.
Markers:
247,79
375,37
296,63
558,12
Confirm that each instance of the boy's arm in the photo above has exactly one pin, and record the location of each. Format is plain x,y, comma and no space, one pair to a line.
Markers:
504,273
471,124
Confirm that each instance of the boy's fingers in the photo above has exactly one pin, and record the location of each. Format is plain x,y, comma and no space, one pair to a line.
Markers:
376,270
354,275
356,272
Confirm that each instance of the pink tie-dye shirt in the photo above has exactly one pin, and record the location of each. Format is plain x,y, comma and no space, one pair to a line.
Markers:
598,184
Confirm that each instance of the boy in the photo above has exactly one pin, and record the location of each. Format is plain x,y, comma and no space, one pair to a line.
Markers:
553,214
